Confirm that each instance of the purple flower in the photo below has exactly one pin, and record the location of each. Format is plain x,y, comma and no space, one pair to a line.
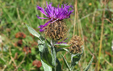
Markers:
54,13
62,42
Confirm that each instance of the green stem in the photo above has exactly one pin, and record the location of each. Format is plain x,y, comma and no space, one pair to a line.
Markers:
54,69
53,51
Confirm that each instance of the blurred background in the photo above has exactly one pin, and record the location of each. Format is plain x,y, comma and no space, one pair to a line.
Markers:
91,19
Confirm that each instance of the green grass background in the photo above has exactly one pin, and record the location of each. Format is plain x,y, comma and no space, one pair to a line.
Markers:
14,14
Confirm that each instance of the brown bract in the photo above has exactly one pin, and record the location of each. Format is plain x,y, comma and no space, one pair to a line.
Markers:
56,30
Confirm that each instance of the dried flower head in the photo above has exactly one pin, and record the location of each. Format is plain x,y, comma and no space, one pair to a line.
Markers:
76,44
20,35
18,43
27,49
37,63
54,14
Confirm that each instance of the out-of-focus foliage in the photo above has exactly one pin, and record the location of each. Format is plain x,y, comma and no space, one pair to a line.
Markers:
19,53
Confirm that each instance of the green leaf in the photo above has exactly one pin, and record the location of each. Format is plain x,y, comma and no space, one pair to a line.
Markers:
46,67
33,51
44,53
53,52
67,65
2,61
61,45
53,56
74,59
63,49
33,32
89,64
58,67
40,46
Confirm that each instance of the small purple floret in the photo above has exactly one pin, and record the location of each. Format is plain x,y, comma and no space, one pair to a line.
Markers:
54,13
62,42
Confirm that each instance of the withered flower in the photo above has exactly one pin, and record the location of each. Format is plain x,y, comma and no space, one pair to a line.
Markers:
76,44
18,43
37,63
20,35
27,49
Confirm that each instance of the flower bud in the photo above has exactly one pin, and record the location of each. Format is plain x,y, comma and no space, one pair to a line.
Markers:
76,44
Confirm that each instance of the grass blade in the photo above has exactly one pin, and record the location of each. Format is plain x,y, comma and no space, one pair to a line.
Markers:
89,64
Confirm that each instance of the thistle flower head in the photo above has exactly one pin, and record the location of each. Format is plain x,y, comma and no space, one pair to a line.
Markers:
76,44
54,13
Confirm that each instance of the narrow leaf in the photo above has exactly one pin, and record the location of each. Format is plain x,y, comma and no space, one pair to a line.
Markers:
75,59
61,45
58,67
89,64
53,53
62,49
67,65
44,53
33,32
40,46
46,67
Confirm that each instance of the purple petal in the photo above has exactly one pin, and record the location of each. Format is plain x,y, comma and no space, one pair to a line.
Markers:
47,23
65,39
56,12
41,10
61,43
42,26
41,17
54,21
41,30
